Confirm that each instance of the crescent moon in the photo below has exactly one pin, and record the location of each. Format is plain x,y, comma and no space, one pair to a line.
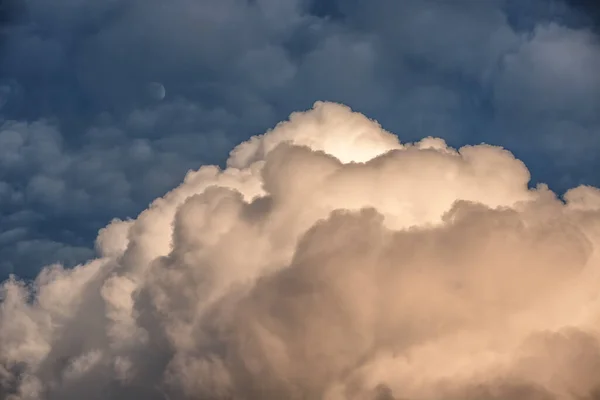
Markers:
156,90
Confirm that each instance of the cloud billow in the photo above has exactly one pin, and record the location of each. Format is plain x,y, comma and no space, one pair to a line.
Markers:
106,105
327,260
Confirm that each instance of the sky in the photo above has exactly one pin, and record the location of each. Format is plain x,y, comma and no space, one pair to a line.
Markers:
105,105
298,199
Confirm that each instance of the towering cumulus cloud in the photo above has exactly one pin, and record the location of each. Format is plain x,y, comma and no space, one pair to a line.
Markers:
327,261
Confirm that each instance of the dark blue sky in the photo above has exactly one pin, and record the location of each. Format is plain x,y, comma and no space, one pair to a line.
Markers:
85,135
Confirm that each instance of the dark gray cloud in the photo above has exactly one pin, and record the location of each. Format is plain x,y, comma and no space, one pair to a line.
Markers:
85,136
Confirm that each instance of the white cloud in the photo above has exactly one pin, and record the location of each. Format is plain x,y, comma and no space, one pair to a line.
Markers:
327,261
517,74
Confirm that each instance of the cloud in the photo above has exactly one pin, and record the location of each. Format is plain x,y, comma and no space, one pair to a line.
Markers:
83,137
57,195
327,260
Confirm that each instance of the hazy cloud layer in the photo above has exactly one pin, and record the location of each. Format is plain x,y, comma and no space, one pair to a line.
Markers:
106,104
326,261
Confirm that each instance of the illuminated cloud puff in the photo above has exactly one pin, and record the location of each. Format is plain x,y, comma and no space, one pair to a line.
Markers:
327,261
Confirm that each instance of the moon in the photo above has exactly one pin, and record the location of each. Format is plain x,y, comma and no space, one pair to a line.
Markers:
156,90
11,94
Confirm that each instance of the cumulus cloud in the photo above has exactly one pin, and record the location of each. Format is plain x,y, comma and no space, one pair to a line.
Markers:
105,105
327,260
